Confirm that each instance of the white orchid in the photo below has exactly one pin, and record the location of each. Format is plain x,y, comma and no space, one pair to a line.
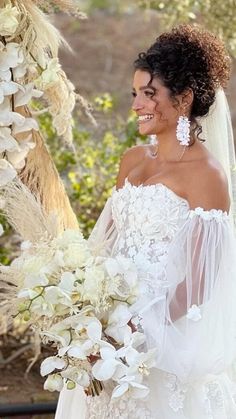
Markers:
8,118
62,337
35,280
23,125
41,307
27,294
130,385
124,266
90,342
50,364
134,339
24,95
110,366
77,375
17,157
118,327
8,20
54,382
11,55
55,296
8,88
67,282
7,172
62,293
124,269
140,363
5,75
7,141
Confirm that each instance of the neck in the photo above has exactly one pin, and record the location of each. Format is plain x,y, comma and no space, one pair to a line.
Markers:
169,148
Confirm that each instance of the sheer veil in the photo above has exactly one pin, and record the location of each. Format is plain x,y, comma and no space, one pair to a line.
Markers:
218,132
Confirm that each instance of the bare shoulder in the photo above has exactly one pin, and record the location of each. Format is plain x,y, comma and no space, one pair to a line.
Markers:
129,160
210,188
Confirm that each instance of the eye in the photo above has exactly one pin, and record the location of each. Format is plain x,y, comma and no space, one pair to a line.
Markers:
134,94
149,93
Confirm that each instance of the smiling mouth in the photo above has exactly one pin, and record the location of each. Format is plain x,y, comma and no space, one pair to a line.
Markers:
145,118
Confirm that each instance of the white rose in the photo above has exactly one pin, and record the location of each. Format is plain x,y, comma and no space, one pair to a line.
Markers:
8,20
76,255
69,236
93,283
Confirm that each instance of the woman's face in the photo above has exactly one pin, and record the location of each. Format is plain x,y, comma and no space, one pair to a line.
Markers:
156,112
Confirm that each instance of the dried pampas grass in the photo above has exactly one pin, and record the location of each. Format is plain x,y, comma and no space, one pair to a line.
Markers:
42,179
39,28
25,213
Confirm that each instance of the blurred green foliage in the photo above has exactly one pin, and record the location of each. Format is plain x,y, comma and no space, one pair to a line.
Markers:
5,249
111,6
216,15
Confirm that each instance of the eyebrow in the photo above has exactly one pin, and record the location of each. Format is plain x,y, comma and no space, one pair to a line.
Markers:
146,87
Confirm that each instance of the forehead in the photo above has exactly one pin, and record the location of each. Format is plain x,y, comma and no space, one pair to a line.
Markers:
142,78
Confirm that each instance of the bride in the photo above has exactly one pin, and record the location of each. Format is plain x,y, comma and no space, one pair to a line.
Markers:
170,213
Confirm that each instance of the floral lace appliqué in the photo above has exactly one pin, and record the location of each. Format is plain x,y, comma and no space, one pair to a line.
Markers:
214,399
147,218
177,392
124,408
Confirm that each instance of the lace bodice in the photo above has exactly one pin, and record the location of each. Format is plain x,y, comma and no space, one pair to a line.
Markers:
147,218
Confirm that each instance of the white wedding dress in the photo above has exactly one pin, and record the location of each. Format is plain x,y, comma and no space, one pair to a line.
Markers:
186,261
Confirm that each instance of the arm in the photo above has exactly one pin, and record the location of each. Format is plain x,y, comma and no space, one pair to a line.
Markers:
210,192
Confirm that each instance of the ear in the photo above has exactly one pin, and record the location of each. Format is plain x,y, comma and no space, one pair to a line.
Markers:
186,100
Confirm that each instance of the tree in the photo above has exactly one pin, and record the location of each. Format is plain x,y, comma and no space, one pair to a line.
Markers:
216,15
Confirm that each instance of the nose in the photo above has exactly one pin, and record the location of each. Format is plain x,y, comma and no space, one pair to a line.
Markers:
137,104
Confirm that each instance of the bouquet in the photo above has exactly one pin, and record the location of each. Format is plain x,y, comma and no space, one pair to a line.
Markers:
81,303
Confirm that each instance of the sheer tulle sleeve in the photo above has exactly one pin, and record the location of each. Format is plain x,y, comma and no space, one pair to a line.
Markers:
104,233
192,317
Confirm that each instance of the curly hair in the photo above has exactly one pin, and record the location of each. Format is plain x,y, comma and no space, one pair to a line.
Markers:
188,57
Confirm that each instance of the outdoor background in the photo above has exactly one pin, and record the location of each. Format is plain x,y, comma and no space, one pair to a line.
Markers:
100,66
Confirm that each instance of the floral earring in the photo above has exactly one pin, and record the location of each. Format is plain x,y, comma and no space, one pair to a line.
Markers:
183,130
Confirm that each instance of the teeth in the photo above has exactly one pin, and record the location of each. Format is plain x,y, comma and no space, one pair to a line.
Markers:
145,117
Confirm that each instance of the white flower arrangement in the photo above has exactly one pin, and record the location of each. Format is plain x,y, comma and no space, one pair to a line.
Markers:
83,305
28,62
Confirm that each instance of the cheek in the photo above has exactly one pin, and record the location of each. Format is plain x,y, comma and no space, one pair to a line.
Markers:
166,111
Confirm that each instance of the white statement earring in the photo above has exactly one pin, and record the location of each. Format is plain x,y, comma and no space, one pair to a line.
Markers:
183,130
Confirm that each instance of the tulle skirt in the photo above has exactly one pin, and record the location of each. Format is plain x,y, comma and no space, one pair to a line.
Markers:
211,398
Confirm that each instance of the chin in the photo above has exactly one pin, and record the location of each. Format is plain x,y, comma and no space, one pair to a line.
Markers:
143,131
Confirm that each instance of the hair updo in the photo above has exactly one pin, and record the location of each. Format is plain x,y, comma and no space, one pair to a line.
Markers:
188,57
